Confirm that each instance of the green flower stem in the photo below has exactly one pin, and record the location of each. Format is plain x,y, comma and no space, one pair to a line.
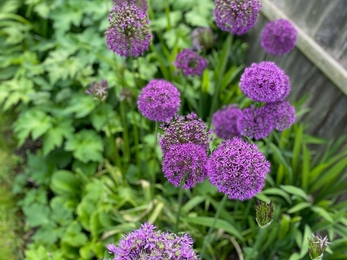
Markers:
153,177
136,137
116,158
180,197
207,239
268,142
259,240
125,132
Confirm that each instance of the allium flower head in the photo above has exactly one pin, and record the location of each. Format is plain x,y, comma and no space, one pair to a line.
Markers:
190,63
264,213
237,168
128,33
159,100
225,122
184,130
98,89
142,4
203,38
317,246
265,82
278,37
185,162
236,16
147,243
283,112
256,123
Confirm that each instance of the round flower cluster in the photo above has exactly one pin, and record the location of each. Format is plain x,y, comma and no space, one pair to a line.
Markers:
184,130
256,123
238,169
203,38
225,122
279,37
236,16
265,82
98,89
146,243
187,163
142,4
159,100
283,114
128,33
190,63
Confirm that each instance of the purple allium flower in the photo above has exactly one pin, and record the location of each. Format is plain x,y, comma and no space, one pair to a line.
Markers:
159,100
190,63
184,130
237,168
142,4
128,33
284,114
147,243
279,37
265,82
256,123
203,38
185,162
98,89
236,16
225,122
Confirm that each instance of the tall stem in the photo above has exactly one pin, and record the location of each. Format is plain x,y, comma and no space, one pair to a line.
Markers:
180,197
125,132
207,239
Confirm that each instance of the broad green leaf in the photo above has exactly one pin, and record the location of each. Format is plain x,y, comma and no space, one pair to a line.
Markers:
86,146
32,121
192,203
304,244
222,224
279,192
295,191
65,183
298,207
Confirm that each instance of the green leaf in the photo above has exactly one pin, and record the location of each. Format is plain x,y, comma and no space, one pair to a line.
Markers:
36,215
80,105
323,213
295,191
55,135
65,183
192,203
32,121
304,244
86,146
222,224
305,167
297,145
279,192
298,207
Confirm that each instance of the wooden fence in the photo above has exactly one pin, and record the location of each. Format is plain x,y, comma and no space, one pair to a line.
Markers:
318,65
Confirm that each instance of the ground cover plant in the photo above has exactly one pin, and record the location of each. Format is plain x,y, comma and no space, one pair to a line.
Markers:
129,103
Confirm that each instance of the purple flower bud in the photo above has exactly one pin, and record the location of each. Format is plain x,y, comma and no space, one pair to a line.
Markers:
190,63
128,33
225,122
283,112
98,89
185,163
317,246
238,169
146,243
279,37
265,82
256,123
203,38
141,4
236,16
184,130
159,100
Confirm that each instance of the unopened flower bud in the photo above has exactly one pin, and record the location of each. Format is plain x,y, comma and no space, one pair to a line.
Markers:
317,246
264,213
98,90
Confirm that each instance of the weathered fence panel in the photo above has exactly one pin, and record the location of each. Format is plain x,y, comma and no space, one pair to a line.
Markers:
326,22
